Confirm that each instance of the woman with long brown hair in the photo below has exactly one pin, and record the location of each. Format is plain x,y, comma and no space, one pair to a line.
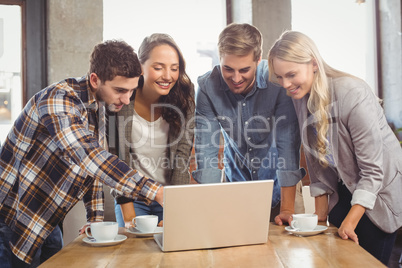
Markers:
156,128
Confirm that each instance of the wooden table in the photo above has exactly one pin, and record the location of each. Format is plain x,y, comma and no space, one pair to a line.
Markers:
283,249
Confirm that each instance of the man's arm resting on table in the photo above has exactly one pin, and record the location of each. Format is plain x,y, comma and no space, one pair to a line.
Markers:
287,180
288,195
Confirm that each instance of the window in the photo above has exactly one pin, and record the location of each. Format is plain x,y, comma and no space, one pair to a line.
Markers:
194,25
344,32
10,67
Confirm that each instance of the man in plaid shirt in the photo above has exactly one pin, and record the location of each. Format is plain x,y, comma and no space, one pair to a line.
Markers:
53,157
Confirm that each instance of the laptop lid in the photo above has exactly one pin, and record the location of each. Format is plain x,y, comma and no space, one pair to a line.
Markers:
199,216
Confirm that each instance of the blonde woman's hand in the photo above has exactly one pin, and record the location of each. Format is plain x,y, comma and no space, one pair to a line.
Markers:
348,226
322,216
347,231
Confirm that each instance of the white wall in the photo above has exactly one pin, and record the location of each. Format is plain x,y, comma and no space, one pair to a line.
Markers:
344,33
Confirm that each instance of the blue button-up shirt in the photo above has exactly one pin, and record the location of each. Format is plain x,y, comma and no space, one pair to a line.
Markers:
260,132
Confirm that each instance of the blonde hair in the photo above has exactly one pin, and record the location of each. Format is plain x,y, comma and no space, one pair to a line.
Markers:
241,40
296,47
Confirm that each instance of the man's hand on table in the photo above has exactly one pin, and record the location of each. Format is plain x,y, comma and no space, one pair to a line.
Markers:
82,229
284,217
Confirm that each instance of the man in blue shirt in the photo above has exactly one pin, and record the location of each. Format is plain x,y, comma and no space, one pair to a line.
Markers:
256,118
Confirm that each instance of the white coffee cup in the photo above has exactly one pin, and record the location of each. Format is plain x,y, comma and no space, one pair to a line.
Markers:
304,222
145,223
103,231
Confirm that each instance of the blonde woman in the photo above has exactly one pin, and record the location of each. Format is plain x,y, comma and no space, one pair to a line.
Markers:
353,157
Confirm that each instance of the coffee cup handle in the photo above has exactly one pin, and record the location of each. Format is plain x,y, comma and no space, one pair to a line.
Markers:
293,224
133,221
86,231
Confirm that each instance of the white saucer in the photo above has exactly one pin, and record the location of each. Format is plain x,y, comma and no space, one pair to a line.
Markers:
137,232
118,239
317,230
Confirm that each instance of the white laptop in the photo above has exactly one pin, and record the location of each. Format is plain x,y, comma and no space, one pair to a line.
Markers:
200,216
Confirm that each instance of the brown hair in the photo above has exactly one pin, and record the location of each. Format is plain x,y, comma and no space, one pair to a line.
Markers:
114,58
241,40
181,95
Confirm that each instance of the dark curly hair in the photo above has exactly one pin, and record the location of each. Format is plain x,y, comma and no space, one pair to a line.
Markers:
181,95
114,58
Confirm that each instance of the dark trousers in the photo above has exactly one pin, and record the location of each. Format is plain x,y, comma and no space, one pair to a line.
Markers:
377,242
52,244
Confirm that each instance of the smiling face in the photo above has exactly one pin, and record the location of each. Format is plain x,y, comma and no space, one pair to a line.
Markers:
239,72
296,78
115,93
161,70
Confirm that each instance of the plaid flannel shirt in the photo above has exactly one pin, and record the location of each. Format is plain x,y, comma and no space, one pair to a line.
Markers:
51,159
